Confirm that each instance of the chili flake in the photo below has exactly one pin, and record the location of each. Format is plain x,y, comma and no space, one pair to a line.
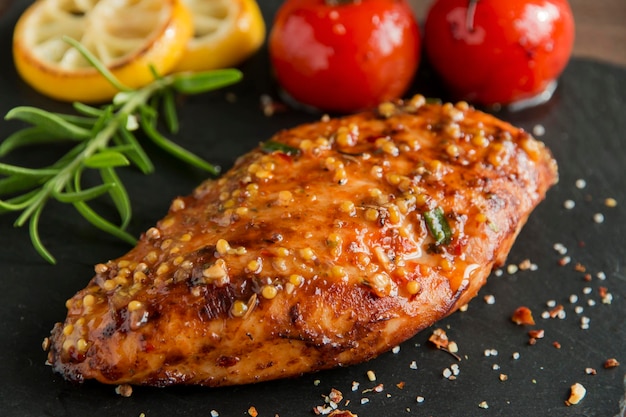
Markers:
523,316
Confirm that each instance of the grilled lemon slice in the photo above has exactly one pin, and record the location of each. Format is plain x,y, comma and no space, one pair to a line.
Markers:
127,36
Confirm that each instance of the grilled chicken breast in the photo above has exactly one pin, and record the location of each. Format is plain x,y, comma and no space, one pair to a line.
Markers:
329,244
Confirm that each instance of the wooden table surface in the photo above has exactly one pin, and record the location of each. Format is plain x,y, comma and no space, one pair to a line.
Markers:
600,28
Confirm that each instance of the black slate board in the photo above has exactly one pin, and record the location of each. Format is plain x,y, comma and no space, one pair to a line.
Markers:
585,125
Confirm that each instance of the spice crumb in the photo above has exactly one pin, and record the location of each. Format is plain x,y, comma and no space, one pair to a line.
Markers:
490,299
590,371
610,202
439,338
371,376
577,393
483,404
611,363
525,265
125,390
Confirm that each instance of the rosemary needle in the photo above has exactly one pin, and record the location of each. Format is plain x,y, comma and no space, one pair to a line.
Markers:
104,139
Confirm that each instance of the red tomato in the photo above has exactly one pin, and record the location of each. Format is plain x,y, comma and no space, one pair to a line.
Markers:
496,51
344,55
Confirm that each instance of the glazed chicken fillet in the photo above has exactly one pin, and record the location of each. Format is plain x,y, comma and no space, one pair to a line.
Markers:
327,245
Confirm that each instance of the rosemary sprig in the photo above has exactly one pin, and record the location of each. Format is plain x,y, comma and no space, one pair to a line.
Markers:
104,139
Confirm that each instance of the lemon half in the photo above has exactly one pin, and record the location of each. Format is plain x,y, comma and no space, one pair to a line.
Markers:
225,33
127,36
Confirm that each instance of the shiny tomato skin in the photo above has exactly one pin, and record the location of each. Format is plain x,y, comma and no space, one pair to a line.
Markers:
344,56
508,51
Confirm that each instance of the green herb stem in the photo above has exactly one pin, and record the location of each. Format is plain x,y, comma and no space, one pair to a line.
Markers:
104,140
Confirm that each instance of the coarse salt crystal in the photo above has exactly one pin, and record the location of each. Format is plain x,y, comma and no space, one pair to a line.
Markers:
539,130
581,183
598,218
455,369
560,248
569,204
516,355
490,299
512,268
420,399
491,352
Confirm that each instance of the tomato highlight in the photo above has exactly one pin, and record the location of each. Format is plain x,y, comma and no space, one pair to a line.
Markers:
344,56
499,52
